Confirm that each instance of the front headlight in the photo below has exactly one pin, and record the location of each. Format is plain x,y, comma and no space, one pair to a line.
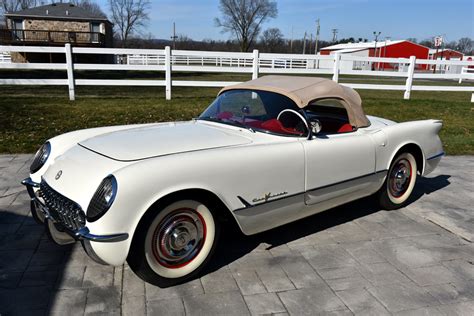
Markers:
40,157
102,199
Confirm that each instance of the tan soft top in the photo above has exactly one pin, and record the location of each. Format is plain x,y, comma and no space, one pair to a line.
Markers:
303,90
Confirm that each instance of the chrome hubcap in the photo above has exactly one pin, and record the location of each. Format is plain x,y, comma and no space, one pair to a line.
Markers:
179,238
400,178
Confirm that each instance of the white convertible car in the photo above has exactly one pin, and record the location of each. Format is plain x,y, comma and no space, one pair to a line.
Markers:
265,153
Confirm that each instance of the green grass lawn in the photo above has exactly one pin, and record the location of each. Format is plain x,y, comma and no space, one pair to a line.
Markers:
29,115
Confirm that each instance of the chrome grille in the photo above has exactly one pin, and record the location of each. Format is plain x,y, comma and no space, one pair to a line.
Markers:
63,210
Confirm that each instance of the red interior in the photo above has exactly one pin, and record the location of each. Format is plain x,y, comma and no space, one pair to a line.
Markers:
345,128
275,126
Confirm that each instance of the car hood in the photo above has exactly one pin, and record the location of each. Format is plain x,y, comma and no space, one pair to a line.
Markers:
163,139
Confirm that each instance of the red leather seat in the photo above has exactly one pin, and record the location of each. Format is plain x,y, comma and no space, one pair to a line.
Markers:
224,115
345,128
275,126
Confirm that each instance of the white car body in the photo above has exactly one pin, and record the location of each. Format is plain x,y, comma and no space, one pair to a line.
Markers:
263,180
265,153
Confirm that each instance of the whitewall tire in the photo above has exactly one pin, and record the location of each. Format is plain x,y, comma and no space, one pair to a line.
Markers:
400,182
174,243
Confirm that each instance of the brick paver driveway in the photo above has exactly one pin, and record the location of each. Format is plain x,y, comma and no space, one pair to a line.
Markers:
355,259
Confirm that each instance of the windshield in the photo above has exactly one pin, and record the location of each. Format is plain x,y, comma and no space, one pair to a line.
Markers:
262,111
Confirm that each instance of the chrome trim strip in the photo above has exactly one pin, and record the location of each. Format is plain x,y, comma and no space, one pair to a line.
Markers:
348,180
436,156
81,234
248,205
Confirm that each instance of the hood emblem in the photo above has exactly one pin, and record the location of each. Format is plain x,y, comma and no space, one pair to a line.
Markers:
58,175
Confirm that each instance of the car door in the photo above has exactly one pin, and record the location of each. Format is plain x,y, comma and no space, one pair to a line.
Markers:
338,165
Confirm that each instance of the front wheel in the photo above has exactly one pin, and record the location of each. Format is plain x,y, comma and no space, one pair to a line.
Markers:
399,183
174,243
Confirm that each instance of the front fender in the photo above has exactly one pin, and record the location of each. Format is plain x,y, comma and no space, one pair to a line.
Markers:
226,172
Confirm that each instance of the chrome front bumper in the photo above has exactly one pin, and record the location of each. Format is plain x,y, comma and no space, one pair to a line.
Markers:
82,234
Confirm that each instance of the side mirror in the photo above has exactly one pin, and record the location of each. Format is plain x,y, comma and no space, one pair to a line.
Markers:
315,126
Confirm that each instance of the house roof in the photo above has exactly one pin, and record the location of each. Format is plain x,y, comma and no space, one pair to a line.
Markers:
58,11
303,90
433,51
362,45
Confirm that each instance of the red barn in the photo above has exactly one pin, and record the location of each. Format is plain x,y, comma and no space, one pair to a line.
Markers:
392,49
445,54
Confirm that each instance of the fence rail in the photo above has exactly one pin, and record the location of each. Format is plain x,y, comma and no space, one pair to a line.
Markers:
254,63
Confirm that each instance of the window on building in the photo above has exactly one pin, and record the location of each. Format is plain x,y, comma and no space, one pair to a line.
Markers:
95,30
17,26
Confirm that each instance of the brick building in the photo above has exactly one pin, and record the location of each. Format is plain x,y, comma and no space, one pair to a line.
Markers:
55,25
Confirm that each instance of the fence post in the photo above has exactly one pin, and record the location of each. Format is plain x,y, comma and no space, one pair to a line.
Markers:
70,71
409,82
255,64
168,72
337,61
460,76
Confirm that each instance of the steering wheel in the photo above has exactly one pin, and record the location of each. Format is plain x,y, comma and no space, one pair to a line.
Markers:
297,114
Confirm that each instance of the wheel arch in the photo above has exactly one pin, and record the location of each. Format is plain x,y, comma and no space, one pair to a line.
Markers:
199,194
414,149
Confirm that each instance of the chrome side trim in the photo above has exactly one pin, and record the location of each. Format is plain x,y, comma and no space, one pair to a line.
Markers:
81,234
352,188
436,156
264,216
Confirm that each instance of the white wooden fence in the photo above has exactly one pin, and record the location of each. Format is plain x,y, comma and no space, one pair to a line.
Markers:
255,63
466,73
5,58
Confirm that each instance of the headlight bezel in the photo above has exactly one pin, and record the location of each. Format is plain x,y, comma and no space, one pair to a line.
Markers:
100,204
41,157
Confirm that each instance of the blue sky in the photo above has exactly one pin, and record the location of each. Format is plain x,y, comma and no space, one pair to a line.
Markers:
398,19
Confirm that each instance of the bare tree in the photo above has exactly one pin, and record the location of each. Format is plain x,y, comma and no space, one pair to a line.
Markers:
465,45
272,39
89,6
244,18
429,42
15,5
129,16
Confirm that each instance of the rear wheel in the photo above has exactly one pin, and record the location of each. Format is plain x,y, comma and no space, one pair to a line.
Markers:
399,183
174,243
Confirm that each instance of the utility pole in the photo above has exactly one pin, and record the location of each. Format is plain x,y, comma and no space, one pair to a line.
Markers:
317,38
304,43
291,40
174,37
376,34
334,34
